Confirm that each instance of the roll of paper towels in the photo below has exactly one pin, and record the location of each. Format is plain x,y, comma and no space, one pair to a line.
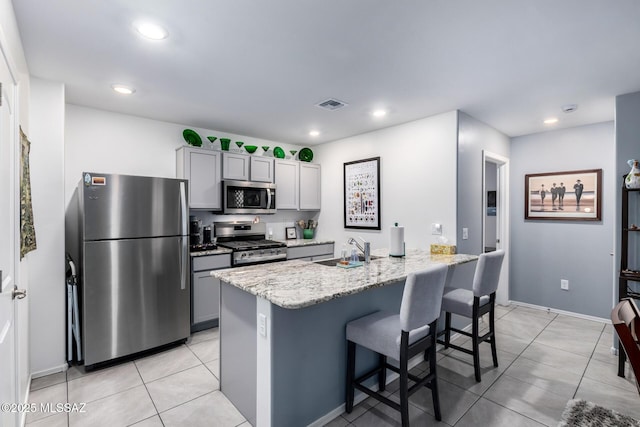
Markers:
396,243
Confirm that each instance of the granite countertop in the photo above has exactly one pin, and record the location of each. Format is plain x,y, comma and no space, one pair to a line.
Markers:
298,284
218,251
306,242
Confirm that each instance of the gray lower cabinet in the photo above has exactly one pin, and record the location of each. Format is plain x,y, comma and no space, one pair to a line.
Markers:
311,252
205,290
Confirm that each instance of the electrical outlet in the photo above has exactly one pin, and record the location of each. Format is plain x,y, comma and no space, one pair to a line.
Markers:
262,324
436,229
465,233
564,284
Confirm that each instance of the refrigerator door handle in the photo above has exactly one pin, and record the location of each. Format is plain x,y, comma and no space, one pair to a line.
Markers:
183,207
184,253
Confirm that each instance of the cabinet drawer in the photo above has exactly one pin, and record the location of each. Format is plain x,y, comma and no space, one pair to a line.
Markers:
211,262
310,251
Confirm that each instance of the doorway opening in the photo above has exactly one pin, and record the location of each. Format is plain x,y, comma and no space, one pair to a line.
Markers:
495,214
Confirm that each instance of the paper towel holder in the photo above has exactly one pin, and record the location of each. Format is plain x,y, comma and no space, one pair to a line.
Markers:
394,252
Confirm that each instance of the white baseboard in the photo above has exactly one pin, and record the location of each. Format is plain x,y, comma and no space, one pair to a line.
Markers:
566,313
44,373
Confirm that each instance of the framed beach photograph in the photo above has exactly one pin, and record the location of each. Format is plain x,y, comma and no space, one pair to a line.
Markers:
362,194
564,196
290,233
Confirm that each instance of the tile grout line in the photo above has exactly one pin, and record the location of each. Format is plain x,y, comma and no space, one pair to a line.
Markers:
149,394
504,373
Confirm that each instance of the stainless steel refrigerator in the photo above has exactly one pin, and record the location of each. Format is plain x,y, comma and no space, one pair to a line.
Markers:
135,290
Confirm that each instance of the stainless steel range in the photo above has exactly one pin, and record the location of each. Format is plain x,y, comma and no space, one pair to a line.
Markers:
247,241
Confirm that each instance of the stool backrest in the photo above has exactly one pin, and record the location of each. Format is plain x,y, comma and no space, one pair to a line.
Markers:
487,275
422,297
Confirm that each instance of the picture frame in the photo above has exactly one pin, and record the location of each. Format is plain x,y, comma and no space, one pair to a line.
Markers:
362,194
290,233
564,196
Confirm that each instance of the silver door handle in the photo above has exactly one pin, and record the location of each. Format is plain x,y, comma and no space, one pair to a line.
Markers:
18,293
183,263
183,207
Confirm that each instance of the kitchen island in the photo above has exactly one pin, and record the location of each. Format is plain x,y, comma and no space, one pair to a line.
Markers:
282,331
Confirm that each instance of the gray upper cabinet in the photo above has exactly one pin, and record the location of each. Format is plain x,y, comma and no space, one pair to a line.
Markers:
287,179
261,169
298,185
235,166
202,168
309,186
244,167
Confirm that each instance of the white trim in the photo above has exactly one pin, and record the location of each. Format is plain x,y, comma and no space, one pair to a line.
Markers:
49,371
503,215
563,312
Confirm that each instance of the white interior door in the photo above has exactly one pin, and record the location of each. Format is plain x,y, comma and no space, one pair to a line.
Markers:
502,217
8,247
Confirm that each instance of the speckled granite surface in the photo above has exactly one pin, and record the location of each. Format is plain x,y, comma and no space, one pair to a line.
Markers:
306,242
218,251
298,284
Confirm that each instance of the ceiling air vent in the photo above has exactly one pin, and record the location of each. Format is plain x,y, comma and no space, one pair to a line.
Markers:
331,104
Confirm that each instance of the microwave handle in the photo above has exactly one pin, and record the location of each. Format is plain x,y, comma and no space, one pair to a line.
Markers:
268,198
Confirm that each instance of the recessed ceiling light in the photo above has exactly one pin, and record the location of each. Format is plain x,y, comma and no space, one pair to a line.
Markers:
314,133
151,31
551,121
122,89
379,113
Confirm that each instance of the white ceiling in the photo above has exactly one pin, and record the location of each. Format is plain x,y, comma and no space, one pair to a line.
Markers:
258,67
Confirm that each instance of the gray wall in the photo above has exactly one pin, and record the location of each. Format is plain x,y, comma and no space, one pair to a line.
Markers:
543,252
474,137
627,131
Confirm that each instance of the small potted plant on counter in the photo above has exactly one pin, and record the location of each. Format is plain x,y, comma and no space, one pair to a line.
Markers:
308,227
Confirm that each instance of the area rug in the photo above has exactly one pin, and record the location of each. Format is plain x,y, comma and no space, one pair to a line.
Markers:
580,413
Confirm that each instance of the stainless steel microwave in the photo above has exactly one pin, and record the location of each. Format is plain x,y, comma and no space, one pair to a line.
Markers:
246,197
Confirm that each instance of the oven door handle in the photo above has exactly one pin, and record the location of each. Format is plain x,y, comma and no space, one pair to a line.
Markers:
268,198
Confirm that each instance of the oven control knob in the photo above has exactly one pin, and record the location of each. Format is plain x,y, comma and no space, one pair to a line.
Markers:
243,255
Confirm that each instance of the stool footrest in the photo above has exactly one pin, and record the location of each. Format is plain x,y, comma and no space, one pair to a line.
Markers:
419,382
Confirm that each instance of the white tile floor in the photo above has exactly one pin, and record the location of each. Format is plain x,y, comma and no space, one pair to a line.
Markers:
545,360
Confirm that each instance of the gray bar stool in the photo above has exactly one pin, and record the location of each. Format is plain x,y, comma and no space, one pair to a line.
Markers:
400,337
473,304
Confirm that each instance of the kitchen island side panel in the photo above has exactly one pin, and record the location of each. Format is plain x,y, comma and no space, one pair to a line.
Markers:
309,353
238,349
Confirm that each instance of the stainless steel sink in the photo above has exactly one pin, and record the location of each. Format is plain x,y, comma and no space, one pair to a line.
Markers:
332,262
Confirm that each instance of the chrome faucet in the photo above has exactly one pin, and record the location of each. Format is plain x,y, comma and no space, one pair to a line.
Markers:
365,248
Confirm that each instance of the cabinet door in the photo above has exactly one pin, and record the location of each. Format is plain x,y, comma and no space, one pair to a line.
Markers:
261,169
309,186
202,169
206,297
235,166
287,184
